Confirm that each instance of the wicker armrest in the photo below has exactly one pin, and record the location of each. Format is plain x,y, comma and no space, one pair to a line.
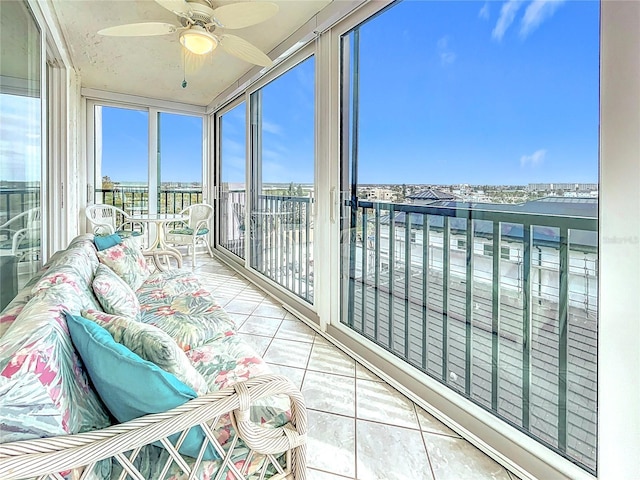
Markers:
46,457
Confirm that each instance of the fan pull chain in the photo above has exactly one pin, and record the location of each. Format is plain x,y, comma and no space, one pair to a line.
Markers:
184,69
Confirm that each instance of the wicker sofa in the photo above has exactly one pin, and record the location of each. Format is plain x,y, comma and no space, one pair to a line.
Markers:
54,424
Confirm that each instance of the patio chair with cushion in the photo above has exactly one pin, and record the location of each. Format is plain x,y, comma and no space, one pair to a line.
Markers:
20,235
193,230
107,219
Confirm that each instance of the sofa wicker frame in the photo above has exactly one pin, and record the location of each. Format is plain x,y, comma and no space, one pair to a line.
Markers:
76,455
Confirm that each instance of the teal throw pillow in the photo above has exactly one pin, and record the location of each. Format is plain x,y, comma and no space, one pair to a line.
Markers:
129,386
102,242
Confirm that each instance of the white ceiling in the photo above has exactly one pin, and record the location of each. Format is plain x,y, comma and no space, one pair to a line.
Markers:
153,66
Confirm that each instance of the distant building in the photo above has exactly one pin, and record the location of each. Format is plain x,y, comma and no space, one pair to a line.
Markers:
565,187
382,194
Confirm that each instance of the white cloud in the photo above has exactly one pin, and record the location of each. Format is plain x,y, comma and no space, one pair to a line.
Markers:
533,160
484,12
271,127
447,56
507,15
536,13
19,137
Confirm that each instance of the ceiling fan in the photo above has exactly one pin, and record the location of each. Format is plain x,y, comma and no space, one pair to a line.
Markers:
199,24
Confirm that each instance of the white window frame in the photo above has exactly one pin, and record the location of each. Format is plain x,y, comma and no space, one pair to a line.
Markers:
619,326
153,108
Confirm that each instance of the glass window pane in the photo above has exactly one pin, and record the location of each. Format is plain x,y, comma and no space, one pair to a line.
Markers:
179,161
470,243
20,149
121,143
233,194
283,143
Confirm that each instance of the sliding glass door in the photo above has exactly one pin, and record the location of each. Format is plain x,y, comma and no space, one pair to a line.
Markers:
232,209
282,171
470,227
121,142
21,239
125,173
179,161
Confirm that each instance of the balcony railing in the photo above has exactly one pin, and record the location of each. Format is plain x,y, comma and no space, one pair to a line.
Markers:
500,306
281,226
135,200
14,201
232,221
282,241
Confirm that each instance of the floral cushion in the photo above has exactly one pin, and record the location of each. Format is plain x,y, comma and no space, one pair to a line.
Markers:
81,257
175,302
152,344
127,261
229,360
114,294
37,356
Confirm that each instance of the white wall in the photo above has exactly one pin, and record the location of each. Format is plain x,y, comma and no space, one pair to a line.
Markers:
619,326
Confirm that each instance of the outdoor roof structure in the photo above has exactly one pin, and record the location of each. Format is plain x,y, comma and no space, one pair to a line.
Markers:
431,194
542,235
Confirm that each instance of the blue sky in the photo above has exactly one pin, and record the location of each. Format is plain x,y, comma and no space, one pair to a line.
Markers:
480,92
125,140
450,92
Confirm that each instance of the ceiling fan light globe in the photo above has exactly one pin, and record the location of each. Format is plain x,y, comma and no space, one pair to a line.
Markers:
198,41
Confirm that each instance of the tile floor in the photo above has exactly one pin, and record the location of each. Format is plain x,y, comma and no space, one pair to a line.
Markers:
359,427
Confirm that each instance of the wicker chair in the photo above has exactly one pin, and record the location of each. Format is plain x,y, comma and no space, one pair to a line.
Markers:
20,236
192,231
107,219
72,455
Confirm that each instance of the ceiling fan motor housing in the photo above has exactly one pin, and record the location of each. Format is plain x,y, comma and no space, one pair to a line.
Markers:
201,12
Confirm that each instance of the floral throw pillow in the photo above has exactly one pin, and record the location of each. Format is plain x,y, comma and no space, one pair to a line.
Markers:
152,344
114,294
127,261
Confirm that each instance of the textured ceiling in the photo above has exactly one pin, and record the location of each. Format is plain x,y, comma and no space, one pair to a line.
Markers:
153,66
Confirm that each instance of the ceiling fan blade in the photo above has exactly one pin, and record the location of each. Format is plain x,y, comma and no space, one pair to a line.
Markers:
244,50
240,15
139,29
179,7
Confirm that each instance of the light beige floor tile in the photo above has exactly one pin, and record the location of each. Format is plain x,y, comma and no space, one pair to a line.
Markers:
269,310
320,340
241,306
456,459
328,359
296,375
332,438
295,330
257,325
238,318
366,374
429,423
222,299
392,453
329,393
379,402
288,352
331,443
313,474
250,295
258,343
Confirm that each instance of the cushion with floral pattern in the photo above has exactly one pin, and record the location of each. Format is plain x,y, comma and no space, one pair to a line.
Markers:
114,294
127,261
152,344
